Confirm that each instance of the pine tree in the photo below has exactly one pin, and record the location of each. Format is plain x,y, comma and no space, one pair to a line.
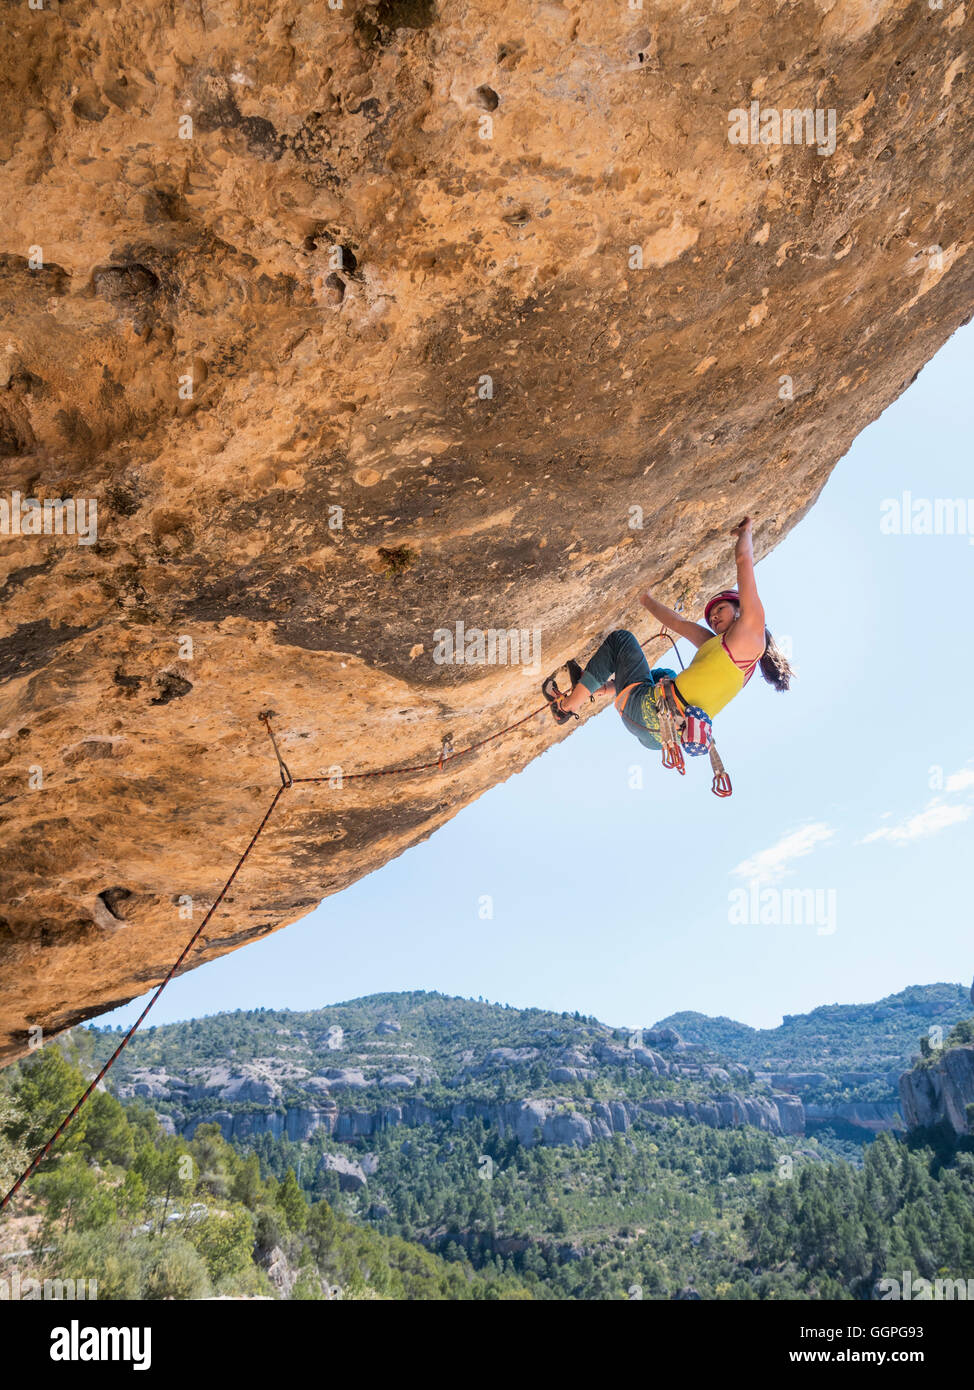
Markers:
292,1202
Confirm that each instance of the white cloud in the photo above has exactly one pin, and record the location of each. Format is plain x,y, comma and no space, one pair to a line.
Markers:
771,865
930,821
960,781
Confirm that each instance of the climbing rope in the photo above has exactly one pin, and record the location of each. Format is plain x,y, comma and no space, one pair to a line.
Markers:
447,754
286,779
43,1153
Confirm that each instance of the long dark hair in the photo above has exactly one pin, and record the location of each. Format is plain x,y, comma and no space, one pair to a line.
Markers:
775,667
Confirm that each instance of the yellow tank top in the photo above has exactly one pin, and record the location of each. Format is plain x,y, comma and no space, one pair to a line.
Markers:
713,677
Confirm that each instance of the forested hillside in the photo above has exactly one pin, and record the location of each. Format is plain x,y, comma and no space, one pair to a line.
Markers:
683,1211
455,1205
401,1060
849,1037
150,1217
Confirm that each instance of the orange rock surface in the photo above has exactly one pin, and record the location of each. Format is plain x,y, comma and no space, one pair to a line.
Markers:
359,322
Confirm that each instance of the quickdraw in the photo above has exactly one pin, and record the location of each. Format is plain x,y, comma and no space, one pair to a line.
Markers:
672,722
721,785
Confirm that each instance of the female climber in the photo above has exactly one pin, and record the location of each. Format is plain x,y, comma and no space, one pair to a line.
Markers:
728,649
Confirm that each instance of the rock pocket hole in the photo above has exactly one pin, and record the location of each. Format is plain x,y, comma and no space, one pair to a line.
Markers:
487,98
348,261
171,687
125,282
397,559
16,438
124,682
89,109
405,14
112,899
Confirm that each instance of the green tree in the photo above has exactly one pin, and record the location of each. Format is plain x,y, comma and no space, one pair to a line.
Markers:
168,1171
292,1202
48,1088
215,1160
247,1187
132,1196
225,1240
108,1134
14,1156
174,1269
73,1196
321,1230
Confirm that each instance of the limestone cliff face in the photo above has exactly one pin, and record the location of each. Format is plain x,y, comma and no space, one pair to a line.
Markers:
943,1091
873,1115
361,322
557,1120
278,1095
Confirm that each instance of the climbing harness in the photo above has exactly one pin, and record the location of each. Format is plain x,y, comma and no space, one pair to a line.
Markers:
288,782
673,734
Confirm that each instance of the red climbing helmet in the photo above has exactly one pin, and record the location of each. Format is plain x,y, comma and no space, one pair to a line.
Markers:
725,596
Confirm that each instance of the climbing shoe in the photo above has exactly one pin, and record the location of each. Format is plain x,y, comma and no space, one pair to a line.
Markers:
574,671
553,695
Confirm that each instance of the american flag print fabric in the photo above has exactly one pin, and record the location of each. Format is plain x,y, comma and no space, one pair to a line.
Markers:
698,734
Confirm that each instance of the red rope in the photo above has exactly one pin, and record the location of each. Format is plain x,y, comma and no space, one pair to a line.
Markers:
287,781
437,762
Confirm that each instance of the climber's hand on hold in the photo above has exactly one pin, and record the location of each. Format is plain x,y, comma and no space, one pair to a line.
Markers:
749,627
674,622
745,547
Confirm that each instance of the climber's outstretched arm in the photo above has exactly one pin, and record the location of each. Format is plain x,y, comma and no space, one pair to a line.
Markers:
751,621
693,632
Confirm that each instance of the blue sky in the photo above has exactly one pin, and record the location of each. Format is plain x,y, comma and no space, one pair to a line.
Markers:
858,784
